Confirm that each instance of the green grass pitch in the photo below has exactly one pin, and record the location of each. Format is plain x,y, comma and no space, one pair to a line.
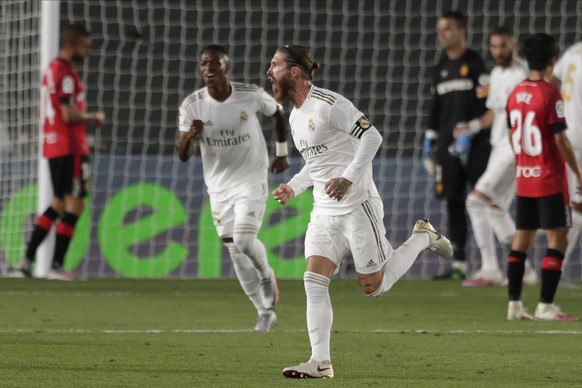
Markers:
197,333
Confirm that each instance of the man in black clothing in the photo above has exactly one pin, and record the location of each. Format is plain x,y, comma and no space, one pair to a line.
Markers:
459,88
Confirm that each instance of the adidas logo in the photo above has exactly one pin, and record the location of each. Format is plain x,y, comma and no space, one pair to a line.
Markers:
370,263
209,124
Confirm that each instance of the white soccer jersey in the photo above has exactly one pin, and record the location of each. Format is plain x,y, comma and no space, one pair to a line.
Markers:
501,84
569,70
326,130
232,145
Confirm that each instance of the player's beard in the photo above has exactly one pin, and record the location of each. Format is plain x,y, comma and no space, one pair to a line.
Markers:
504,60
282,92
77,58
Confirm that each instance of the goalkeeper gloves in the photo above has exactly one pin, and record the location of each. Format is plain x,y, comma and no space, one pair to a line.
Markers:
429,151
461,148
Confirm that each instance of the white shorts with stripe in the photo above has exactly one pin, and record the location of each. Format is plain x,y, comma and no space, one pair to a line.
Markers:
362,232
498,179
572,183
242,212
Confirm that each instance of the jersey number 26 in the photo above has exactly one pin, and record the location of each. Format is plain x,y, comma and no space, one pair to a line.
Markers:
526,137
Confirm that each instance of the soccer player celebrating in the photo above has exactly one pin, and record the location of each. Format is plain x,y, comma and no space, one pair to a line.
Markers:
535,114
64,121
488,203
338,144
222,118
567,75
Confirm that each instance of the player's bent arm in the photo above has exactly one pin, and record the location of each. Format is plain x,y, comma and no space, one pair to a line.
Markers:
279,127
72,115
301,181
185,148
280,162
474,126
555,81
369,144
283,194
567,152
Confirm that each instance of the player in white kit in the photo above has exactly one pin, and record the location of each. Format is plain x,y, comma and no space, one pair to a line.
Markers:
338,144
567,76
488,203
222,118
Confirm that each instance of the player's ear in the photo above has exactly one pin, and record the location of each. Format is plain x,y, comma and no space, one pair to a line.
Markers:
295,72
553,61
227,68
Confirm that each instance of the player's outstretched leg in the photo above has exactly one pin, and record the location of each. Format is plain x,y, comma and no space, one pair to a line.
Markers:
439,244
424,236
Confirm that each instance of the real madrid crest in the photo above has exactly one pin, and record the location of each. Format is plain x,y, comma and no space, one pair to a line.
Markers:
464,70
311,126
243,116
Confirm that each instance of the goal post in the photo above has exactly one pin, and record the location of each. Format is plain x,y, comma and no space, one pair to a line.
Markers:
49,48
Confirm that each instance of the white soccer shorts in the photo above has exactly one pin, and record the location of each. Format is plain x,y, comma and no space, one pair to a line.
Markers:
244,209
498,180
362,232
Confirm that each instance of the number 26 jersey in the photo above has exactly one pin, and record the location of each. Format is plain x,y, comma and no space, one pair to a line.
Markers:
535,112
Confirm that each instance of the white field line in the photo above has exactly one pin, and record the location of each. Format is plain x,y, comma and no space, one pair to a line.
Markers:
92,293
205,331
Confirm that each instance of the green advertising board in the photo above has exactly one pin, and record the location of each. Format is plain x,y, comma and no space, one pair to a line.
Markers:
116,236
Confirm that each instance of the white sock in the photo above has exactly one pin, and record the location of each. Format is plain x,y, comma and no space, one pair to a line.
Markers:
248,244
248,277
502,224
477,209
401,261
319,315
573,235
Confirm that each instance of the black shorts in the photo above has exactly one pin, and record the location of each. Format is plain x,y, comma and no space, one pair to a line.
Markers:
456,177
70,175
546,213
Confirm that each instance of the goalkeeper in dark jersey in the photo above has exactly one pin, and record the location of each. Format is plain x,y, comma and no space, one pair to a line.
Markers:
459,87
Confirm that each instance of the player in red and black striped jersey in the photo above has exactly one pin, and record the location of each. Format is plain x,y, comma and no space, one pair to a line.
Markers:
64,120
535,113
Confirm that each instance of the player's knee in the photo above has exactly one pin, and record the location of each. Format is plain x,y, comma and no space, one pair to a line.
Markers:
475,201
74,205
370,283
244,241
58,205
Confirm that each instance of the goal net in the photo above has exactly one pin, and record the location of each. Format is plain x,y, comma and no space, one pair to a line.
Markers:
19,118
148,214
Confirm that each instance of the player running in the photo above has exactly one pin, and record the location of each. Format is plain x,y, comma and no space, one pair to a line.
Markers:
338,144
222,119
